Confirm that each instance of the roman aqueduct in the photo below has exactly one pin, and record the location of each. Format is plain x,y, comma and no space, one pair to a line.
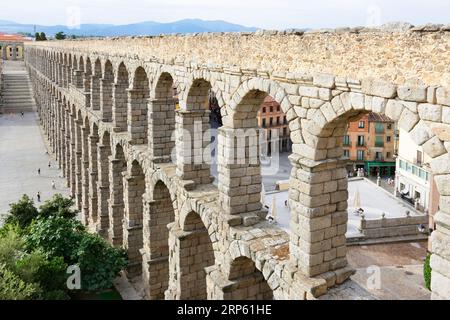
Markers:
108,110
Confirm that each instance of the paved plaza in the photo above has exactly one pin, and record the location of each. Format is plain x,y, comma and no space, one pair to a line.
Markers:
22,153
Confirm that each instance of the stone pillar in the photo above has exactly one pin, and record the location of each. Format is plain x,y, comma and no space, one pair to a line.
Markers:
440,259
104,152
106,103
161,126
4,46
78,164
134,187
318,202
14,52
68,75
78,79
116,206
93,178
192,141
240,181
120,105
137,122
95,93
85,176
191,253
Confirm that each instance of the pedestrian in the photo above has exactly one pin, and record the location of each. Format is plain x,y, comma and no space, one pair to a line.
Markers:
39,171
22,114
53,185
286,203
49,164
39,196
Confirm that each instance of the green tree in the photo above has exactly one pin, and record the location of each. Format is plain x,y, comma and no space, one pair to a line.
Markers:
42,36
14,288
22,212
58,206
60,36
37,36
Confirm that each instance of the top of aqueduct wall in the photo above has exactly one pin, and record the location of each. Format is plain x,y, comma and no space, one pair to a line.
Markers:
399,54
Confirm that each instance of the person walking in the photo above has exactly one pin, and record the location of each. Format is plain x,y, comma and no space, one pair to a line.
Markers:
38,196
22,114
49,164
39,171
53,185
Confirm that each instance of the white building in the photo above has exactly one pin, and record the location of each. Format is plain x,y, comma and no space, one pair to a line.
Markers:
413,174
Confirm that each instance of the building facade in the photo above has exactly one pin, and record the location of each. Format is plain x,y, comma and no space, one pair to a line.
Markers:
370,143
11,46
274,123
414,178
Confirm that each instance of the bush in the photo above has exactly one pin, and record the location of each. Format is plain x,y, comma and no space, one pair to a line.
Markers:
427,272
14,288
22,212
99,262
58,206
56,236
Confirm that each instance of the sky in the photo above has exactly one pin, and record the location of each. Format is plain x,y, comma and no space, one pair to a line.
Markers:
267,14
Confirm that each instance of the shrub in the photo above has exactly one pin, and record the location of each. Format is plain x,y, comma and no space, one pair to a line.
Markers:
99,262
22,212
14,288
56,236
58,206
11,247
427,272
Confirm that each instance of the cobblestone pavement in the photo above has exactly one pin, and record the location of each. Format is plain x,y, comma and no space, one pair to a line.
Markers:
400,266
22,153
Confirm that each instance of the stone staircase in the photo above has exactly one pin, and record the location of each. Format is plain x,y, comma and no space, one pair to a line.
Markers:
16,93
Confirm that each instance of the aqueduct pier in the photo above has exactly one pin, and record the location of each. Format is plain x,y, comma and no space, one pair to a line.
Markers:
107,107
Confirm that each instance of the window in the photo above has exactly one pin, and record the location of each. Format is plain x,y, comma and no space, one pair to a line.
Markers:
379,142
402,186
419,159
346,153
271,109
360,155
417,195
361,124
379,127
360,141
264,110
284,131
346,140
278,120
284,120
388,155
271,121
378,156
388,139
264,122
278,109
389,126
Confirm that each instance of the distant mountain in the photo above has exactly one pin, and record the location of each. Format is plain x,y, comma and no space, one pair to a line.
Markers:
142,28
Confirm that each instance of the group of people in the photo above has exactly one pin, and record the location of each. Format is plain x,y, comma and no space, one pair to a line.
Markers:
38,195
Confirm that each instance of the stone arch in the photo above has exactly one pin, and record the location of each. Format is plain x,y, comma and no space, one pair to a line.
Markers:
137,107
120,98
197,95
134,190
161,218
191,252
85,168
162,119
246,282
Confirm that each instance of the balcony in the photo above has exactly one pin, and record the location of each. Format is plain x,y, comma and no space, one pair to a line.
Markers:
347,143
379,144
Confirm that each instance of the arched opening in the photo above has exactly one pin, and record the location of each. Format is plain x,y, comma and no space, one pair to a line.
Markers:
138,108
118,166
104,157
120,99
106,95
161,122
133,222
161,215
194,253
78,160
95,85
246,282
